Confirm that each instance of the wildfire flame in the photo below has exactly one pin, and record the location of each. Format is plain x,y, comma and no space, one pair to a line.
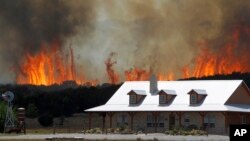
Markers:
49,67
225,61
137,74
112,75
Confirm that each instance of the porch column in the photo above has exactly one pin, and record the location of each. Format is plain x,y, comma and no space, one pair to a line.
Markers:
131,114
103,121
202,114
180,114
226,116
110,114
90,120
155,115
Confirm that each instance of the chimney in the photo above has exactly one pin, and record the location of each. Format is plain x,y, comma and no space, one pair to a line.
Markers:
153,84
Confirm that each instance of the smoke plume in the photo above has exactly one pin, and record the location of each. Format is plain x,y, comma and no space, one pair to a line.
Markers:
162,36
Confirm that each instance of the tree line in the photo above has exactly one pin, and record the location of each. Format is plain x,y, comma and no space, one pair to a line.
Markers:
57,102
46,102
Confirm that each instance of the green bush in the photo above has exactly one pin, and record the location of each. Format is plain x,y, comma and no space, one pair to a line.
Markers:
94,131
182,131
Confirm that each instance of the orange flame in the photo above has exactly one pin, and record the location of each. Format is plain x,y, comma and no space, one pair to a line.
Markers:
225,61
137,74
49,67
112,75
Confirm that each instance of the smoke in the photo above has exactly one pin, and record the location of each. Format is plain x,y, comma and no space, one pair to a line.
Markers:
26,24
160,36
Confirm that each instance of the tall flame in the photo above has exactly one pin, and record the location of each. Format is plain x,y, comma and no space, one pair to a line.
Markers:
112,75
49,67
224,61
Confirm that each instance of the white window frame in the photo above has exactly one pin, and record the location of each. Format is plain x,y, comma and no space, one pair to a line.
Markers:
132,99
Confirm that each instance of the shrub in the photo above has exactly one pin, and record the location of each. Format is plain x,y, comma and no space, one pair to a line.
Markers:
127,131
140,132
94,131
110,130
185,132
192,126
2,115
46,120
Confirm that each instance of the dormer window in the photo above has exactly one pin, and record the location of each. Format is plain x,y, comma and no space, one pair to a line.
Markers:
162,99
166,96
197,96
193,99
136,96
132,99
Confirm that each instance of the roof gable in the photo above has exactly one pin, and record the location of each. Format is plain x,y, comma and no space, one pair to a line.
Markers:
240,96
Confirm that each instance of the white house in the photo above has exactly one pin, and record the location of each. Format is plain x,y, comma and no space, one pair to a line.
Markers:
157,106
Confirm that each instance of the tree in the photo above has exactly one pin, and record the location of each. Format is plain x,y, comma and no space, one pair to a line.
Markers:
46,120
2,115
32,111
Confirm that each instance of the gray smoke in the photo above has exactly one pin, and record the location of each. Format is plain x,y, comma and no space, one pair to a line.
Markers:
159,35
26,24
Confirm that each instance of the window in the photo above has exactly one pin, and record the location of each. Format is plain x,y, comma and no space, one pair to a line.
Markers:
193,99
122,120
132,99
149,121
209,121
162,99
161,121
243,119
186,120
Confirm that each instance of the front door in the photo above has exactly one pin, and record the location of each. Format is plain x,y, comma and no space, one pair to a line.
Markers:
171,121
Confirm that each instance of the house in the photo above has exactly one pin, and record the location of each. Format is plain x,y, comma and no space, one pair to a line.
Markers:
157,106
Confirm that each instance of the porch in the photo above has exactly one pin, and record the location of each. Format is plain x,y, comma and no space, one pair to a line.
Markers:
153,122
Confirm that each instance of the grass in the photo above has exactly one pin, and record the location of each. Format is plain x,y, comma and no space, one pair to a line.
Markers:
51,130
23,140
71,140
